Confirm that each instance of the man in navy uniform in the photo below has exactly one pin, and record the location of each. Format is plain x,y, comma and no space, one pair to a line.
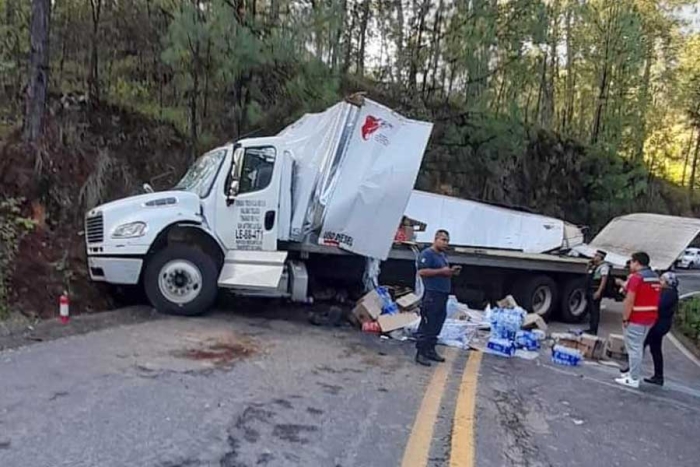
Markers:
436,274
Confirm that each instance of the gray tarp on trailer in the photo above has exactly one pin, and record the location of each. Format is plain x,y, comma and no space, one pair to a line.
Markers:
663,237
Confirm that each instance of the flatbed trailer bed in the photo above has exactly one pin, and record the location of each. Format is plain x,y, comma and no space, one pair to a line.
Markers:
548,284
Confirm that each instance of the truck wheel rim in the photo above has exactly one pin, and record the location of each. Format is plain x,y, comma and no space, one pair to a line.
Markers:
180,281
541,300
577,303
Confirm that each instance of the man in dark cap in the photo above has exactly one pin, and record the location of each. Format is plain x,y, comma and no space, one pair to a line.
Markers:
598,272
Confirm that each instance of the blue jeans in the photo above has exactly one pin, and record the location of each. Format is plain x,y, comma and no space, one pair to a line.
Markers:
433,313
634,341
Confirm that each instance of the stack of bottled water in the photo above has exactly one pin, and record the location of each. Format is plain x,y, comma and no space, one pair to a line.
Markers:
527,340
566,356
505,324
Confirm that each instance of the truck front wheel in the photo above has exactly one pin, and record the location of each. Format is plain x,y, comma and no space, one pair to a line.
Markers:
181,280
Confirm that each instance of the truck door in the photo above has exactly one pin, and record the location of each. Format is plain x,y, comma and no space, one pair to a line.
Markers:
247,220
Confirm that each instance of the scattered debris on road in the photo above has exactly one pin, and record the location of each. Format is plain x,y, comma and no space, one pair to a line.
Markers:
507,330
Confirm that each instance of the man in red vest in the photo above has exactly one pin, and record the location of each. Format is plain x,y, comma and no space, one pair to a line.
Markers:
641,308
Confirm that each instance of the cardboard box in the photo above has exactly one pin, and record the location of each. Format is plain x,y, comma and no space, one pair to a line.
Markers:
389,323
408,301
570,343
615,343
373,302
615,347
360,315
507,302
533,320
567,339
369,308
592,347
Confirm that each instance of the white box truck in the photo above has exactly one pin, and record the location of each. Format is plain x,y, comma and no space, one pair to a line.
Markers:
281,216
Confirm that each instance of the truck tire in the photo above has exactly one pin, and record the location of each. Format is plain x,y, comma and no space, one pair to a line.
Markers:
573,306
537,294
181,280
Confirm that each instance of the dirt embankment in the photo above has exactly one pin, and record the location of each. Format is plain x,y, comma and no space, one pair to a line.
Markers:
88,155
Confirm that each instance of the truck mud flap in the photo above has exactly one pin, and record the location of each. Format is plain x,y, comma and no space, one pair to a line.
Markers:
252,269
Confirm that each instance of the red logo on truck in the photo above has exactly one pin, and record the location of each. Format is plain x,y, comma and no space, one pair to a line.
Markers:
371,125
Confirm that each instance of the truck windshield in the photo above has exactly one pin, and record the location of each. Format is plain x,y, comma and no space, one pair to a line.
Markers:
200,176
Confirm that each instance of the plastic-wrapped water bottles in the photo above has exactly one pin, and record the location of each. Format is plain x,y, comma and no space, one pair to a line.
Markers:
503,347
527,340
505,325
390,309
565,356
388,306
452,306
383,293
506,322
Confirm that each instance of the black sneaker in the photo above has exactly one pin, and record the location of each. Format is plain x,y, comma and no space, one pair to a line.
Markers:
657,380
422,359
436,357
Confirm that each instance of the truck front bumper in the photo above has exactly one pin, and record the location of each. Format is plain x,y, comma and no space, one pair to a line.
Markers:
115,270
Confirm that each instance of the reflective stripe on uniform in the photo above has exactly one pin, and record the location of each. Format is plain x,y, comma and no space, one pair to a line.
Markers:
645,308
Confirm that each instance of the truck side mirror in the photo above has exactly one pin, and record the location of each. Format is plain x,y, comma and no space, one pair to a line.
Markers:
232,192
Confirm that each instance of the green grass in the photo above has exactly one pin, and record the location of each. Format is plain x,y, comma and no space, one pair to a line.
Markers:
687,320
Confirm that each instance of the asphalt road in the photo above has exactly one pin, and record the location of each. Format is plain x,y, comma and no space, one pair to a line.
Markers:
689,281
263,387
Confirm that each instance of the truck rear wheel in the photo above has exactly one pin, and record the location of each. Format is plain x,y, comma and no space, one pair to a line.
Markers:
538,295
181,280
573,301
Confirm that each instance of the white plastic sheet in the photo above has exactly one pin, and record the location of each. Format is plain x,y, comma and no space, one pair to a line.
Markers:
457,333
474,224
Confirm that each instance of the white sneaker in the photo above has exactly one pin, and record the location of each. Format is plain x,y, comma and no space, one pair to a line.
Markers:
628,381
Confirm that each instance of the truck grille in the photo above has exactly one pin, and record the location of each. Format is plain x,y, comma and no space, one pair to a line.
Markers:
94,228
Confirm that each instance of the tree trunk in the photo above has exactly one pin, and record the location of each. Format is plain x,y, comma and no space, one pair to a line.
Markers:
548,104
569,108
38,70
348,44
436,50
604,83
400,23
338,34
415,52
193,110
644,100
541,92
691,185
94,76
274,12
363,38
207,72
14,81
686,159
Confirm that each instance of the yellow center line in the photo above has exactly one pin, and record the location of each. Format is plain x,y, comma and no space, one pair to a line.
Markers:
462,453
418,447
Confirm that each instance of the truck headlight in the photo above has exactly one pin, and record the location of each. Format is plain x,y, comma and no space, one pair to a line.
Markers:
130,230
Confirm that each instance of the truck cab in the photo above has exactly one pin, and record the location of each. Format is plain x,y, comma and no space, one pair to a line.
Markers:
329,177
176,241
